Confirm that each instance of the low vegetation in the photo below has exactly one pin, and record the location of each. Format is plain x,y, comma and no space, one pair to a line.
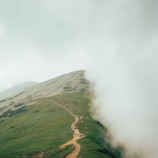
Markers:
94,143
60,153
45,126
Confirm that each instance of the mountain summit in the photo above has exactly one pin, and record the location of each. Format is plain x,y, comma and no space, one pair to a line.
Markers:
66,83
52,120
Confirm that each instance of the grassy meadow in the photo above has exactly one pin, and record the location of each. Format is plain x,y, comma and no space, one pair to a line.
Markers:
44,126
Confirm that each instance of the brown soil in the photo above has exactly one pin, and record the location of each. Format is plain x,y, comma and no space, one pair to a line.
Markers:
76,136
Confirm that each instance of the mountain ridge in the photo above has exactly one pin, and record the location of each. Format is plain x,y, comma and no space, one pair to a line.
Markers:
53,119
69,82
15,90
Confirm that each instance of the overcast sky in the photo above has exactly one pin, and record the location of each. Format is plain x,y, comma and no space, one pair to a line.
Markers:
114,40
42,39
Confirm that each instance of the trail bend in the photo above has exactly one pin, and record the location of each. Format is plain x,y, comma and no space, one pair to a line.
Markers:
76,135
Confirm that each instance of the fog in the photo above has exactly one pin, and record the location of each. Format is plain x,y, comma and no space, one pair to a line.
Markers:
115,41
39,40
124,70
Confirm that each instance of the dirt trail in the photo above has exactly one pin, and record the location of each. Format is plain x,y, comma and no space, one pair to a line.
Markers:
76,136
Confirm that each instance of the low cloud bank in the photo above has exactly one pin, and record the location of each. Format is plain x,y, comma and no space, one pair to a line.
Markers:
125,72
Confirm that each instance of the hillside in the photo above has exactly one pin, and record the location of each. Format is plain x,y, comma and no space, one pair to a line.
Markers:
68,83
16,90
52,120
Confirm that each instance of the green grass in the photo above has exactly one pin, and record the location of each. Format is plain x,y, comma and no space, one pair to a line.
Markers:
60,153
10,113
45,126
94,144
2,109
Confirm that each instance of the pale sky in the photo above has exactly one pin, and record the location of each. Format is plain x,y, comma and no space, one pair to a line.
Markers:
40,39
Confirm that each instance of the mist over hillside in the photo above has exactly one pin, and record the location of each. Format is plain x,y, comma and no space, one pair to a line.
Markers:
16,90
115,42
68,83
41,121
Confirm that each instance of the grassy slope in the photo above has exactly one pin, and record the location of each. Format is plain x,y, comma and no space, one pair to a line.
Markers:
93,145
45,126
60,153
42,126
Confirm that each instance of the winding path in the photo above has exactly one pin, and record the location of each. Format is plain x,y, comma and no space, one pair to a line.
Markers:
76,136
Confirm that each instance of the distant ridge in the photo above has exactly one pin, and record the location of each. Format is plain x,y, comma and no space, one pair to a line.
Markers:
66,83
16,89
